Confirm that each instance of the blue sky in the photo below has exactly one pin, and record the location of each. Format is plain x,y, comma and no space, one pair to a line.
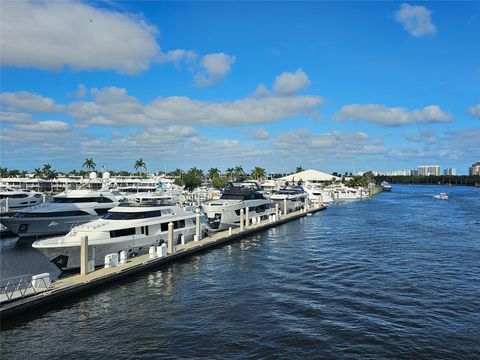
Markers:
376,85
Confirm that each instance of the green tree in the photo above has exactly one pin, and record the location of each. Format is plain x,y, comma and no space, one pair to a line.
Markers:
197,172
299,169
89,164
219,182
258,173
213,173
191,180
38,173
3,172
230,173
239,172
140,164
176,173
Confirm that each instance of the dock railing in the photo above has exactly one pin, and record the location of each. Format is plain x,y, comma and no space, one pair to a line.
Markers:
23,286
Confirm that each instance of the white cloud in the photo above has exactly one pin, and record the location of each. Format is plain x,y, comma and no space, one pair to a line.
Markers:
14,117
50,35
261,91
24,100
112,106
214,67
396,116
177,56
81,92
289,83
260,134
426,135
416,20
336,144
475,111
45,126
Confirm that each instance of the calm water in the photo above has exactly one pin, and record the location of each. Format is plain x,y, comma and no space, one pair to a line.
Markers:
394,277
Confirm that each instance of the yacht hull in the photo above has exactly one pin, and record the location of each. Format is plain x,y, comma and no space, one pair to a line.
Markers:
67,257
34,227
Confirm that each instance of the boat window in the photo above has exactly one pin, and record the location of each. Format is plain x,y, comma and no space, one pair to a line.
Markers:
70,200
132,216
14,196
176,225
101,211
122,232
226,196
50,214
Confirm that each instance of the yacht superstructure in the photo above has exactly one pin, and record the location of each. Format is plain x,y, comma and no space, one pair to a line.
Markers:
295,197
129,227
225,212
16,198
64,212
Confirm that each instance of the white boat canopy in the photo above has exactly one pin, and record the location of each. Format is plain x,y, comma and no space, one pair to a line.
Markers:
311,176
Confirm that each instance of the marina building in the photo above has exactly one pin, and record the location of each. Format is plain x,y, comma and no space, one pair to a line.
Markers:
427,170
474,169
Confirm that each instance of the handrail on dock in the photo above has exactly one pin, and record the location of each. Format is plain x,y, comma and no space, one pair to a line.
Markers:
23,286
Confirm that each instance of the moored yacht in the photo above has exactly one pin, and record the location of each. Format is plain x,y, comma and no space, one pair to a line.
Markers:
386,186
225,212
129,227
295,197
67,210
12,198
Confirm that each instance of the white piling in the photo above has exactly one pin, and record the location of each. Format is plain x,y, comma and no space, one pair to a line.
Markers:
247,217
44,198
152,252
230,230
84,255
170,238
242,220
285,206
276,211
182,239
197,227
162,250
123,257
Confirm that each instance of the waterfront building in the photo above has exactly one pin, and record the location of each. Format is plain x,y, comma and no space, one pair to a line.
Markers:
474,169
450,171
414,172
427,170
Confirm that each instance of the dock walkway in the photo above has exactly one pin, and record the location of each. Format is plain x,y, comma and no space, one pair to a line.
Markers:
69,286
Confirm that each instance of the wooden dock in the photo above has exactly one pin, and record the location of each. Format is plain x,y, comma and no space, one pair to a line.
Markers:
67,287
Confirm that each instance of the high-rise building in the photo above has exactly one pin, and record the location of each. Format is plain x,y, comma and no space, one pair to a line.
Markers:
450,171
474,169
427,170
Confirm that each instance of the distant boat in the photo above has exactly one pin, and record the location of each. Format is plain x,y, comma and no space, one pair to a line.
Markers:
386,186
441,196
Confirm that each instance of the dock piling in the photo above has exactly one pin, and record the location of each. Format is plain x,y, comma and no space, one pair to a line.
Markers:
247,217
198,235
84,255
170,238
242,220
285,206
276,211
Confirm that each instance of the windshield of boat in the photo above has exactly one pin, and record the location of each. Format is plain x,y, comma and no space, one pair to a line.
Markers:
132,215
70,200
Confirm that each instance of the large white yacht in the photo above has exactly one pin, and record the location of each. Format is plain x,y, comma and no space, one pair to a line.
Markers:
317,195
18,198
67,210
295,197
225,212
128,227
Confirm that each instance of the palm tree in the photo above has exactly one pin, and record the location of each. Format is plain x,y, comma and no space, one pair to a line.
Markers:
213,173
196,172
299,169
3,172
89,164
239,172
258,173
229,172
176,173
139,164
38,173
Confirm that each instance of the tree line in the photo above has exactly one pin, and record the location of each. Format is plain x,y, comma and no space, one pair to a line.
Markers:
470,180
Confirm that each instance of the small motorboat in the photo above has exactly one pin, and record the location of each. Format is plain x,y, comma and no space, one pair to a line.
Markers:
441,196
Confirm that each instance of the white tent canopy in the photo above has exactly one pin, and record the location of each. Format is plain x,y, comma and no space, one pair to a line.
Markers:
311,176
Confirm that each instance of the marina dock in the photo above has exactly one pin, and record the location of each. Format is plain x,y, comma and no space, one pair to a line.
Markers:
71,285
